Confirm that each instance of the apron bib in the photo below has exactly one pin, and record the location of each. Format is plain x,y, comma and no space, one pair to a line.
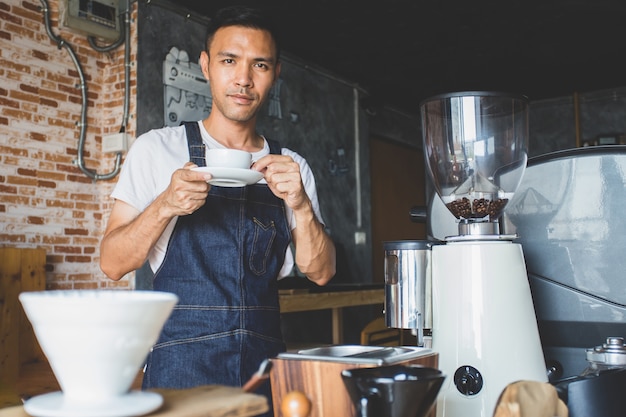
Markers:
222,261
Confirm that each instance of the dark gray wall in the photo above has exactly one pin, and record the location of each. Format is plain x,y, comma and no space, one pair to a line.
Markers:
160,29
324,132
553,121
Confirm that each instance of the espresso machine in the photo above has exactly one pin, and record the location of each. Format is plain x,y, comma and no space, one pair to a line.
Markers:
484,326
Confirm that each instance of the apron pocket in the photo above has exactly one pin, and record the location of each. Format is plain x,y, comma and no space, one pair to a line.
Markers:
264,236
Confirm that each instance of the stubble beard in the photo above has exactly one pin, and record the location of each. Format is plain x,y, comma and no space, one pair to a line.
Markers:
238,113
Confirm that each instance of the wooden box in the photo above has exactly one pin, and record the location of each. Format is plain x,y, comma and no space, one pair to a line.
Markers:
20,270
320,381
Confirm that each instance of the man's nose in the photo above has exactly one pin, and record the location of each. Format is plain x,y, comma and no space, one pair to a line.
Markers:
243,77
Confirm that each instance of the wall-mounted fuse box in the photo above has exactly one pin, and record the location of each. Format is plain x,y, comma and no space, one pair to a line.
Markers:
99,18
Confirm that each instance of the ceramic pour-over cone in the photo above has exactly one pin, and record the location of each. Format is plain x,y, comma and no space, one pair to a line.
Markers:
96,341
393,391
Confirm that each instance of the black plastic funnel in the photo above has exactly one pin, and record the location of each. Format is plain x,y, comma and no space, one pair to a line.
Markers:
393,391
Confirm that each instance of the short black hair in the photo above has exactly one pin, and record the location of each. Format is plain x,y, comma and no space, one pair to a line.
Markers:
246,16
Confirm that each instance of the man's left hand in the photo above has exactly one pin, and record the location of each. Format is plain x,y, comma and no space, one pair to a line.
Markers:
282,174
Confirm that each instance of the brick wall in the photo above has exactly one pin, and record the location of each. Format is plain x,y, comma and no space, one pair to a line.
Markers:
46,201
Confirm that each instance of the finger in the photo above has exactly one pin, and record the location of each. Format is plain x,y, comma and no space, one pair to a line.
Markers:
279,177
269,160
191,198
189,174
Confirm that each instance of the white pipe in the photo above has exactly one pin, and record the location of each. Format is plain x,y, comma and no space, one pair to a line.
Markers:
357,157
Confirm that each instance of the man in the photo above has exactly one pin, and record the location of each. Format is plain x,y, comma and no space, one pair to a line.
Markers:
219,249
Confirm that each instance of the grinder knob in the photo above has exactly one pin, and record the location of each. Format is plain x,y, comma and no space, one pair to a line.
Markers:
295,404
468,380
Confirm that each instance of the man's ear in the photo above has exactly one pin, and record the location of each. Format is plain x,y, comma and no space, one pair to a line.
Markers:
204,64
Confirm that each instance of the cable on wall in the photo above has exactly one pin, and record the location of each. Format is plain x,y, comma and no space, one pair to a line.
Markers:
61,43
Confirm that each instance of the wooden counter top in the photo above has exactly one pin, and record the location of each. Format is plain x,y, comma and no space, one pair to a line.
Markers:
303,300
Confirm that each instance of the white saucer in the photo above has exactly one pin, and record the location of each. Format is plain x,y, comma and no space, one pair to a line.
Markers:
135,403
231,177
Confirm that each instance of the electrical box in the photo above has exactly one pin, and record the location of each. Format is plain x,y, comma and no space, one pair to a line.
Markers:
98,18
117,142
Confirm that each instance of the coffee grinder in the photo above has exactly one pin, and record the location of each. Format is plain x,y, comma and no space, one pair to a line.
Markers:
483,320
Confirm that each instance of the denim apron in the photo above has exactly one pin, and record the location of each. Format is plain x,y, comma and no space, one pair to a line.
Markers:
222,261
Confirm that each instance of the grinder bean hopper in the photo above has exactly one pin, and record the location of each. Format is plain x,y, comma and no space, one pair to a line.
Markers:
483,320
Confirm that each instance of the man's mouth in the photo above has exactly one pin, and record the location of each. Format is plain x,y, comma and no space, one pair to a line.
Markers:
242,98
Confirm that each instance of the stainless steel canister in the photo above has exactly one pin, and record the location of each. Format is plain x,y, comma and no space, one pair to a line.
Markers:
407,285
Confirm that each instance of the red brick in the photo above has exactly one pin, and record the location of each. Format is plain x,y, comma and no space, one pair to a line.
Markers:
27,172
82,178
50,175
29,88
85,285
46,184
15,199
28,11
86,207
82,232
13,65
37,136
86,240
47,102
4,101
13,151
78,259
56,240
10,17
7,189
12,179
59,203
35,220
16,114
39,55
67,249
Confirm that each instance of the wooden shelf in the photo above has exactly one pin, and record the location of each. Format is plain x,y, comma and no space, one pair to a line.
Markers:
302,300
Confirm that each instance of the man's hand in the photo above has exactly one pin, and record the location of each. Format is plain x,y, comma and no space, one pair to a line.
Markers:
130,234
282,174
315,251
187,191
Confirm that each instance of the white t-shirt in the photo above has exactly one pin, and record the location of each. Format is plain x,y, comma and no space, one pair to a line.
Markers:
156,154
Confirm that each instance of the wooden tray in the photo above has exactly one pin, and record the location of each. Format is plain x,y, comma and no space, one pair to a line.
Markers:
204,401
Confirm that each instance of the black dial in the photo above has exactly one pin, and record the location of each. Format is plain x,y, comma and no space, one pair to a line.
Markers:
468,380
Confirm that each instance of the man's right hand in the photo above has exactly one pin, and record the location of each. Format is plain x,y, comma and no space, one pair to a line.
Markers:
130,234
187,191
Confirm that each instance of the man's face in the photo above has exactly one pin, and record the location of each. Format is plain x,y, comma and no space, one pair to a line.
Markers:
241,68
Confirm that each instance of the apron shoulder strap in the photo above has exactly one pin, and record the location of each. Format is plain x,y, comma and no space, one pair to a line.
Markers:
275,147
197,149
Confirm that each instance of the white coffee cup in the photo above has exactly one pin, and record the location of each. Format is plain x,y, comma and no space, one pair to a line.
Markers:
96,341
228,158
